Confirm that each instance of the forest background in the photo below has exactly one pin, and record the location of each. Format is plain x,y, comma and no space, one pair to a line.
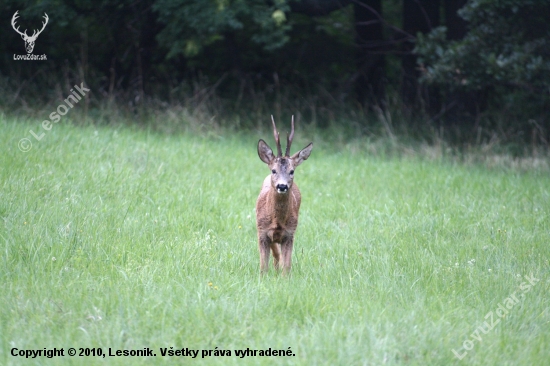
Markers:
466,71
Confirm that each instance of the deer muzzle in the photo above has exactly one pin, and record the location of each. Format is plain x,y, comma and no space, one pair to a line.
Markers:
282,188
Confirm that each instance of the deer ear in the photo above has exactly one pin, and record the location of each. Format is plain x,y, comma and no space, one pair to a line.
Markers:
264,152
302,155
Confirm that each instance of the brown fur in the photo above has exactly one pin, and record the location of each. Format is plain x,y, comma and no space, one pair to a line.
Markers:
276,226
277,213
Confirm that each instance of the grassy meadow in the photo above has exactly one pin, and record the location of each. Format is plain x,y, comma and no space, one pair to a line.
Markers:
123,238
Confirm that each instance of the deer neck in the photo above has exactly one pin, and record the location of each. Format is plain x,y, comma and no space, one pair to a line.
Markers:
281,204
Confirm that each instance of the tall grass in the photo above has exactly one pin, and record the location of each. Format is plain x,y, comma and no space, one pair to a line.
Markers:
243,103
124,238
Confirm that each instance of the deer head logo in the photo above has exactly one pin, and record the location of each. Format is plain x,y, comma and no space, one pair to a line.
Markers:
29,40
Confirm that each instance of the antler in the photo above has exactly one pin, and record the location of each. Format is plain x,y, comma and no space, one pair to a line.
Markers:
43,26
13,19
24,34
289,138
277,139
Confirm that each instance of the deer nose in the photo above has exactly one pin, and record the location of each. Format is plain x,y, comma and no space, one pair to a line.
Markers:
282,188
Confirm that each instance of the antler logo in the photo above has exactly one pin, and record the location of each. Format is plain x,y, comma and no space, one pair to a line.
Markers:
29,41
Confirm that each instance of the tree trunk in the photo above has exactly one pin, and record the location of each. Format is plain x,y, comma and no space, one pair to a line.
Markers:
318,7
369,39
456,26
465,105
418,16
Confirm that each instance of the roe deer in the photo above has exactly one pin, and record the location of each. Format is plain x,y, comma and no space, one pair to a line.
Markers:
279,202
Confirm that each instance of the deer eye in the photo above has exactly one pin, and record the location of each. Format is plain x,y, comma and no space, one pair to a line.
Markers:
274,171
291,172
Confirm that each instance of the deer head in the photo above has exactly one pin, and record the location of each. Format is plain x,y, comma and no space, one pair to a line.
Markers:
282,167
29,40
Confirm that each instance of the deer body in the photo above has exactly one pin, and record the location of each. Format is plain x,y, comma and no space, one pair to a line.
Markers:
278,204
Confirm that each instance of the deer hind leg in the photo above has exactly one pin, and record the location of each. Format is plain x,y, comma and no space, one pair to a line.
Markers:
286,251
276,249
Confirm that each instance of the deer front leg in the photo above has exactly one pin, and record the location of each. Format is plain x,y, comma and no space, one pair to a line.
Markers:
286,253
263,246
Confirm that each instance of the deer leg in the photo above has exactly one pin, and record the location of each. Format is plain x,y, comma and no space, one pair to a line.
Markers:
286,251
263,245
276,249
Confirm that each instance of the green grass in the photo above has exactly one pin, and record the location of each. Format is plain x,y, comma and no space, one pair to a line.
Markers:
116,237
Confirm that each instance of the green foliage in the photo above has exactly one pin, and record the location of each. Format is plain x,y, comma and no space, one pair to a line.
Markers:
116,45
506,49
270,53
190,25
84,40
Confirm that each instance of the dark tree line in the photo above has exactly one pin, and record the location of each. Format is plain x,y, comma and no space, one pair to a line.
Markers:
359,50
